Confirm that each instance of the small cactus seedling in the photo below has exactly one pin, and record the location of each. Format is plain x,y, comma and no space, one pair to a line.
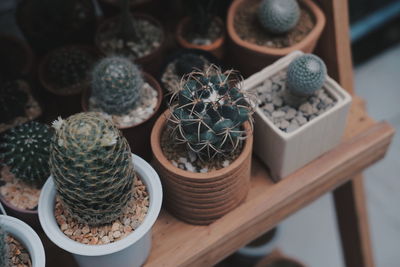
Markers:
208,113
116,85
25,149
187,63
12,101
91,165
305,75
278,16
4,261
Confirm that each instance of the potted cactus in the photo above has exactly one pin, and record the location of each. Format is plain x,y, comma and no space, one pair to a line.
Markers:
301,112
202,146
261,31
100,201
202,29
24,156
139,37
17,104
64,74
19,244
129,97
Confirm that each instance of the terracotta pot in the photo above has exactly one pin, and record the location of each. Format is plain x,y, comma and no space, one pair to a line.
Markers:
195,204
150,63
216,48
137,135
60,103
250,58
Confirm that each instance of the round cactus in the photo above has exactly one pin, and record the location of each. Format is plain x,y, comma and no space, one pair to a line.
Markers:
208,112
116,85
4,261
91,165
25,149
188,63
305,75
12,101
278,16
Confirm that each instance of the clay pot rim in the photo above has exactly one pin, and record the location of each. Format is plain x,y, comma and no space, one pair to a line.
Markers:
14,208
313,8
153,20
42,73
150,80
27,51
184,43
157,152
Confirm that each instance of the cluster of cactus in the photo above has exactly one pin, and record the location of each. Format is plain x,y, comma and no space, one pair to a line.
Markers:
116,85
69,66
91,165
4,260
12,101
208,112
188,63
25,149
278,16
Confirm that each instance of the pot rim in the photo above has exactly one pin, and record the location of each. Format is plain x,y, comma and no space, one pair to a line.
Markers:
159,155
320,21
54,233
27,236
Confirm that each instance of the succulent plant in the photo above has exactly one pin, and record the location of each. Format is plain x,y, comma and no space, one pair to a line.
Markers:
12,101
187,63
116,85
91,165
278,16
69,66
3,248
25,149
208,112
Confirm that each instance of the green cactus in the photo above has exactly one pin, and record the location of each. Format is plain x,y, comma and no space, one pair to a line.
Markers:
127,30
208,113
4,261
26,150
12,101
91,165
278,16
201,13
187,63
116,85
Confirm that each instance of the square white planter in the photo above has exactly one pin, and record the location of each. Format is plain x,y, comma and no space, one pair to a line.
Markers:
284,152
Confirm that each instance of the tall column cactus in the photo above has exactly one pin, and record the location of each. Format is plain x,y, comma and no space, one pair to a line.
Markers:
91,165
127,27
116,85
208,113
4,262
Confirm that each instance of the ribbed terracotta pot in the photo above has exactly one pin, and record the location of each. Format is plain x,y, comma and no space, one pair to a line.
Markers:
150,63
250,58
137,135
217,48
194,204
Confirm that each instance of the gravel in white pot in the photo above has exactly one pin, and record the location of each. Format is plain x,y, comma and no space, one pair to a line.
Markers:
286,138
27,236
132,250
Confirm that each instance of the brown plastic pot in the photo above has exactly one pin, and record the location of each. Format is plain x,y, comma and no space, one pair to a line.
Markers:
137,135
150,63
250,58
217,48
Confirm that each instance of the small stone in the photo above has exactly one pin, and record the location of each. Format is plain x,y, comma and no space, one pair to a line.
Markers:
105,239
85,230
115,226
292,127
284,124
269,107
301,120
277,101
278,114
117,234
306,108
24,257
64,227
225,163
69,232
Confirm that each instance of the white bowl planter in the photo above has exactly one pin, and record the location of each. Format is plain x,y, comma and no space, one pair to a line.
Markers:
27,236
132,250
284,152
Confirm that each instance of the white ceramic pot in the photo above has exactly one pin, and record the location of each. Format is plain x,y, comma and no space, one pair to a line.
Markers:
27,236
132,250
284,152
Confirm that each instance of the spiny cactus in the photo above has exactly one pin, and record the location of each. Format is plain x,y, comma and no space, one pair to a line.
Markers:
69,66
278,16
201,13
4,261
91,165
12,101
208,112
127,30
116,85
26,150
187,63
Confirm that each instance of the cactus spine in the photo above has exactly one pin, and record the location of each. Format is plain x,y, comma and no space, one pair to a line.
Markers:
91,165
278,16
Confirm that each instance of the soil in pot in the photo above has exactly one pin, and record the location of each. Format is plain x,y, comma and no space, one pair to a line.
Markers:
130,220
249,28
17,254
271,100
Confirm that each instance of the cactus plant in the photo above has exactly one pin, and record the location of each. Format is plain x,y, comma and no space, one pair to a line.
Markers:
278,16
208,112
116,85
25,149
4,261
187,63
127,30
12,101
201,13
91,165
